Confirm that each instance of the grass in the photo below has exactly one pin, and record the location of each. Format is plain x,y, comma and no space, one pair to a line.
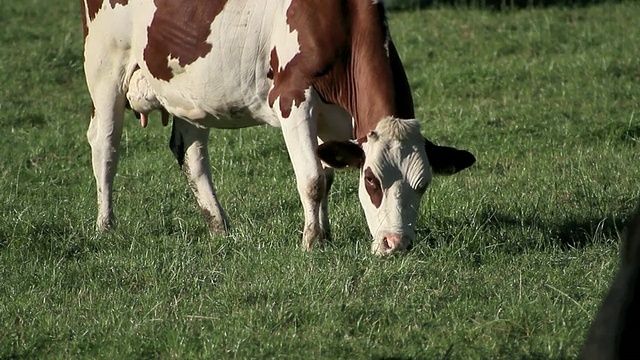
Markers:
513,256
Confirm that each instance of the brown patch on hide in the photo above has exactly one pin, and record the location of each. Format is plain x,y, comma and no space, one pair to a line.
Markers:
287,98
92,8
373,187
89,9
179,30
288,88
274,62
348,58
322,36
116,2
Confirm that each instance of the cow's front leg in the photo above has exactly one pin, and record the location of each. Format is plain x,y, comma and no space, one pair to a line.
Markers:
189,145
299,131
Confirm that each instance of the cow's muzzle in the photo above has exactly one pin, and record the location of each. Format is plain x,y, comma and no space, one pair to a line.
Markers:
391,243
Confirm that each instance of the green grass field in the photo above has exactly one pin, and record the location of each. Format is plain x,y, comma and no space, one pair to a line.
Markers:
512,259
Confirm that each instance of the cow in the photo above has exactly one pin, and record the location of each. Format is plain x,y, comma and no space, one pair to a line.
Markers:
325,71
614,331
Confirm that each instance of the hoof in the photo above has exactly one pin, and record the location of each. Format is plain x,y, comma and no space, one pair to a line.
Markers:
105,224
314,237
218,225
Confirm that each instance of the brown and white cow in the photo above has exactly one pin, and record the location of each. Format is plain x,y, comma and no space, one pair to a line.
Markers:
325,71
615,330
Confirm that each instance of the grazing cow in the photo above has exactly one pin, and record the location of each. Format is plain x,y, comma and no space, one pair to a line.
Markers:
615,330
325,71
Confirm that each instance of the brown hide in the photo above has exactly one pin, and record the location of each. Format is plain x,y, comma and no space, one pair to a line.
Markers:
343,55
179,30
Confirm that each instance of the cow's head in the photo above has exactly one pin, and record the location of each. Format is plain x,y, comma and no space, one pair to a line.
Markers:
395,164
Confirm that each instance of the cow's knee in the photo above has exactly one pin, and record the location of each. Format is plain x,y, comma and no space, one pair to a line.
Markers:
316,189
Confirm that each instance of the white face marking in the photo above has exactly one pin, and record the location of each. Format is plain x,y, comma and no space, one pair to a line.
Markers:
394,176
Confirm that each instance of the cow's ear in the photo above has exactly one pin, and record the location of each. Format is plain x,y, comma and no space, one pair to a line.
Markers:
447,160
341,154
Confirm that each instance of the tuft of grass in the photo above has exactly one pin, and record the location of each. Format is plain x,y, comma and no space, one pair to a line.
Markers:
512,259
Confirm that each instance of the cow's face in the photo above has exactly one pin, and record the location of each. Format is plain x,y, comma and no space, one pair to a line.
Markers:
394,175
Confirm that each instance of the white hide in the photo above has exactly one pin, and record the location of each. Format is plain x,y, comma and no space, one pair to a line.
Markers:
231,79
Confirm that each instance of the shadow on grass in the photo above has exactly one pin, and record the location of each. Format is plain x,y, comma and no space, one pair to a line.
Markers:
37,345
445,356
59,240
4,236
631,135
569,233
489,4
27,120
515,234
577,234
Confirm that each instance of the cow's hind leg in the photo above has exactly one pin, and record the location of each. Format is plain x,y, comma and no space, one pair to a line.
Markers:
104,135
189,145
104,132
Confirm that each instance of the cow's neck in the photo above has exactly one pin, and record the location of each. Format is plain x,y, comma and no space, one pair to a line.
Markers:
370,82
380,89
346,54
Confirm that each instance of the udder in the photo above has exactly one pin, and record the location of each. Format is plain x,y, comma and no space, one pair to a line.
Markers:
143,99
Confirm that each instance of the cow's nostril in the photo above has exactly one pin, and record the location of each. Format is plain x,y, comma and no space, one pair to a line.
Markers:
386,244
394,242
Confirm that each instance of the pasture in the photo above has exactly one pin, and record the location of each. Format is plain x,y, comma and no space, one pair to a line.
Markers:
512,259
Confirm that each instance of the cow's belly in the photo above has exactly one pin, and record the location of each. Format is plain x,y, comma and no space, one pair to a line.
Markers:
219,91
226,86
205,103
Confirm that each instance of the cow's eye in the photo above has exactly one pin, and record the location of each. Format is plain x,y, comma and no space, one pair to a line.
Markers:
370,180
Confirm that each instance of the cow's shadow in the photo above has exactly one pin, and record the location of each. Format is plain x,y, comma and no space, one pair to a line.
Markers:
567,233
57,239
577,234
